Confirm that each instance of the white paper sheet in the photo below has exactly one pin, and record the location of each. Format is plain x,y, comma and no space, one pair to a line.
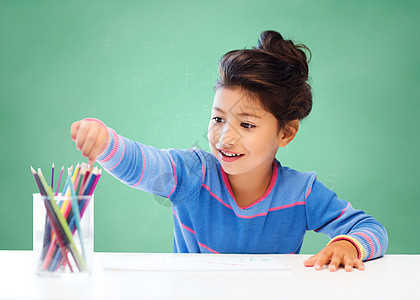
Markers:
193,262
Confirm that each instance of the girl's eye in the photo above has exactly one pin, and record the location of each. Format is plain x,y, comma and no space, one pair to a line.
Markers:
217,119
247,125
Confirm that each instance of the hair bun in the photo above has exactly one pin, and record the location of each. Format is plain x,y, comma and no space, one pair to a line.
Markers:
273,43
270,40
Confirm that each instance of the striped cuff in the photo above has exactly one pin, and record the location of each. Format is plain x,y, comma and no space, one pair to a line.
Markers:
111,148
360,249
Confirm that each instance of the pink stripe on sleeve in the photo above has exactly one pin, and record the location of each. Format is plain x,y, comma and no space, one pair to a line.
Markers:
372,248
174,171
122,155
342,212
142,171
379,244
308,192
204,171
114,148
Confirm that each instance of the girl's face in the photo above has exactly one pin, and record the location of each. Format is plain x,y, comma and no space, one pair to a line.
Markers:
242,136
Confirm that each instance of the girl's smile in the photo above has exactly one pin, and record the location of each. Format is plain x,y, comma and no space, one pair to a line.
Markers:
229,156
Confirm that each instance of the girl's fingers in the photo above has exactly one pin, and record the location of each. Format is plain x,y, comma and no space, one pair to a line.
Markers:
81,135
335,263
322,260
90,141
97,149
91,162
348,264
334,255
310,261
74,129
357,263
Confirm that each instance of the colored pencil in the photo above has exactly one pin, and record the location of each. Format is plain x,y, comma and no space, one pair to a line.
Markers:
59,180
47,228
79,174
76,213
64,218
72,247
82,207
52,176
53,218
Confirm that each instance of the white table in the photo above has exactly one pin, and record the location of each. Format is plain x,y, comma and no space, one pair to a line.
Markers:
391,277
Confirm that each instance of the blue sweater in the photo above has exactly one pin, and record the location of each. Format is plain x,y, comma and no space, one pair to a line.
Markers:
207,218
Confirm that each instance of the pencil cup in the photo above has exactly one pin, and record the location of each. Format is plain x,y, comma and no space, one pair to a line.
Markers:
63,235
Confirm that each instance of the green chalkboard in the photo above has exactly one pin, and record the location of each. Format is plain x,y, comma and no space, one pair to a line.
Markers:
147,69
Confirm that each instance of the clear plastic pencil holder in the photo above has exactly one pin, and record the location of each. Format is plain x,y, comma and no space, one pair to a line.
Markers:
63,235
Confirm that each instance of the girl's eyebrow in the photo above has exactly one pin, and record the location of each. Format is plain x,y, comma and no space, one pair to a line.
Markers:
218,109
241,114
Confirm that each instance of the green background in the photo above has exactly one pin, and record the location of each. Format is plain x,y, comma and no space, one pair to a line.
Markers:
147,68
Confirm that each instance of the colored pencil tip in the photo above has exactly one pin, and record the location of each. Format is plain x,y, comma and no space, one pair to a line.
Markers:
53,165
33,170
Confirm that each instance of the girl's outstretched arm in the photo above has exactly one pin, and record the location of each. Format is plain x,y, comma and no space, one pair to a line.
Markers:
171,173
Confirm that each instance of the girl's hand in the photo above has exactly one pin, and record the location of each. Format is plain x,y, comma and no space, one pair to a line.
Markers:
91,137
336,254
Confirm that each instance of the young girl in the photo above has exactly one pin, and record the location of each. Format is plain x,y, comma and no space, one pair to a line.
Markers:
239,198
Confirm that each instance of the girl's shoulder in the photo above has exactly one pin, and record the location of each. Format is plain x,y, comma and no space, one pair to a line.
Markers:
206,158
292,181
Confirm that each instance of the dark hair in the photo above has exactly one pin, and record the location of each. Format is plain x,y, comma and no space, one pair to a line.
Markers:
275,72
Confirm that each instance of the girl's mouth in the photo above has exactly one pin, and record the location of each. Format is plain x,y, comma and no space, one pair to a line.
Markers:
229,156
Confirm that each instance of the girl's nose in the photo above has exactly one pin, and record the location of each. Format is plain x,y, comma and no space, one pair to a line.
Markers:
228,136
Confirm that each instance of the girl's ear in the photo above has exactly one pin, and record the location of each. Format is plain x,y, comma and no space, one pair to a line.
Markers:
288,133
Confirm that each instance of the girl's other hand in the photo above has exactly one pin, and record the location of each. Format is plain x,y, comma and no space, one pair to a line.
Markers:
336,254
91,137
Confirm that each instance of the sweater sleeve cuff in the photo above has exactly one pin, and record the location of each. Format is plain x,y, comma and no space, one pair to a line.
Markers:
360,249
110,149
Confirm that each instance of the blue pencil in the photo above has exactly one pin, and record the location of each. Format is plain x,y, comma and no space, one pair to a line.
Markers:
76,213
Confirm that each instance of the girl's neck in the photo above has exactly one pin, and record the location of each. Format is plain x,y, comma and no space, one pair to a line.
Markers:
249,187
